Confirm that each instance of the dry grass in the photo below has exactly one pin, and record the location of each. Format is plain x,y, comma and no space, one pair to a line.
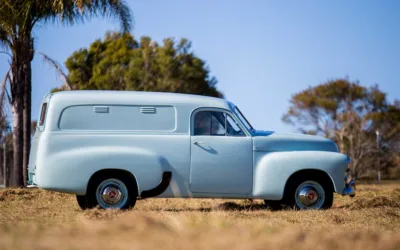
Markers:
39,219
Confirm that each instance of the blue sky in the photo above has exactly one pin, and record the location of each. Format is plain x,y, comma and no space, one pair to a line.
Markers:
261,52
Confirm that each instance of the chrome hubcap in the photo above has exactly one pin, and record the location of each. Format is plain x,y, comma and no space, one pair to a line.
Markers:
112,193
310,195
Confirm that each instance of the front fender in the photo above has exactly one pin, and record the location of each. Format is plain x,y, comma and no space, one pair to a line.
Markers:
273,169
70,170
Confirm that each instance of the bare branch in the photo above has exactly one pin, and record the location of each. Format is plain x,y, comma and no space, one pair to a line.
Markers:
4,52
5,87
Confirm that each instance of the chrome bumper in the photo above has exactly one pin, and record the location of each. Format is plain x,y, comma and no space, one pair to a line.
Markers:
350,187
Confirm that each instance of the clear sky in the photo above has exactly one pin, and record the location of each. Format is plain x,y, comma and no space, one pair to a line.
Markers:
261,52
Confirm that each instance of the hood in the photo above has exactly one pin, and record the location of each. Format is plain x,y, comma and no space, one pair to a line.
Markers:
274,142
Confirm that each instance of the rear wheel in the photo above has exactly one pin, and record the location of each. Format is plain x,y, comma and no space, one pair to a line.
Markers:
111,192
310,193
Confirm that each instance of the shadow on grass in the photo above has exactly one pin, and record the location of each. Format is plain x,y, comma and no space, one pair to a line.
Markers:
227,206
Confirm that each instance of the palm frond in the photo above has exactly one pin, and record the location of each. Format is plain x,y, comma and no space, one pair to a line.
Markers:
72,11
57,67
6,53
119,9
116,9
4,95
4,39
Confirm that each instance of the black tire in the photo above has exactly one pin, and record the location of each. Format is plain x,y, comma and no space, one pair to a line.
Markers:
317,183
81,199
92,200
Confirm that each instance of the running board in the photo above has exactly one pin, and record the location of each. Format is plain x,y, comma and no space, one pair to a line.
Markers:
160,188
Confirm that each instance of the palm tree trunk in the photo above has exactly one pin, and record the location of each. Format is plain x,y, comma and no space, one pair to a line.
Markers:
17,143
17,89
5,166
27,107
27,121
17,110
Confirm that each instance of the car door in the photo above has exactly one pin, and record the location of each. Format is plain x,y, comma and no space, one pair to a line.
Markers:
221,154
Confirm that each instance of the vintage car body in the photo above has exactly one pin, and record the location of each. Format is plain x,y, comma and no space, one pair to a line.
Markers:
111,148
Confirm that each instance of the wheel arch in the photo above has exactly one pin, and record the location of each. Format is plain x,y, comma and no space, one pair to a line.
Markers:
273,170
314,173
115,171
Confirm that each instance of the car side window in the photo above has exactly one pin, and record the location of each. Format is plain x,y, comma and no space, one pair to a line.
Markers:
233,128
214,123
202,123
217,124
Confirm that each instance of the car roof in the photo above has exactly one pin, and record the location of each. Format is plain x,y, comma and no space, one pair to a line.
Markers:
118,97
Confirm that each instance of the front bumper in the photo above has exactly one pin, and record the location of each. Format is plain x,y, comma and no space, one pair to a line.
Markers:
350,186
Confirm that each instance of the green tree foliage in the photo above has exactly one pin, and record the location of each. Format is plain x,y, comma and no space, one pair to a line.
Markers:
119,62
350,114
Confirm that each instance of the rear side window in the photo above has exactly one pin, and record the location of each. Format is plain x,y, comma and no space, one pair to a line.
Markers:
43,114
118,117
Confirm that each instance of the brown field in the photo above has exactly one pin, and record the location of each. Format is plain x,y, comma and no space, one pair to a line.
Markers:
36,219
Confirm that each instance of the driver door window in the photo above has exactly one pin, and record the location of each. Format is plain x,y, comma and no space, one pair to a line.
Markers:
216,123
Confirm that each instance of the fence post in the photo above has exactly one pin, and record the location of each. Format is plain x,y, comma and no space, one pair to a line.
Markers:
379,155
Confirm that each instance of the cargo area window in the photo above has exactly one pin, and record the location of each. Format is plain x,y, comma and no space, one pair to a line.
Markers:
43,114
119,117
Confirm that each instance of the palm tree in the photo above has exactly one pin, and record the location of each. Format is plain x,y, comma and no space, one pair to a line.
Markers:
17,20
5,99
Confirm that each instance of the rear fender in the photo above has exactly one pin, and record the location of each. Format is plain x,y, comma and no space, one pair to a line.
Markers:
70,170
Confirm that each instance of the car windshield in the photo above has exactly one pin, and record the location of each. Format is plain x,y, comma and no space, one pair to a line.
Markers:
243,119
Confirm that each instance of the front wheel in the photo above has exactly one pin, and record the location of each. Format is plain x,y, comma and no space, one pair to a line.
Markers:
310,193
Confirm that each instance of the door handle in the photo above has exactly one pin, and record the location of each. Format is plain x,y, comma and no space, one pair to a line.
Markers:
198,143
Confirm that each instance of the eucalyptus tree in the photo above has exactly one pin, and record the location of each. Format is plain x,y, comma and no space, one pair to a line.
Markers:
18,18
350,114
121,62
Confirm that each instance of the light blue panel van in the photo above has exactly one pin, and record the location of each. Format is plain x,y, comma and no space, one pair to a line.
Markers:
112,148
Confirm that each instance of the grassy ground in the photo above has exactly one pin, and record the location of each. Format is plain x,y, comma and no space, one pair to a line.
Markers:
37,219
